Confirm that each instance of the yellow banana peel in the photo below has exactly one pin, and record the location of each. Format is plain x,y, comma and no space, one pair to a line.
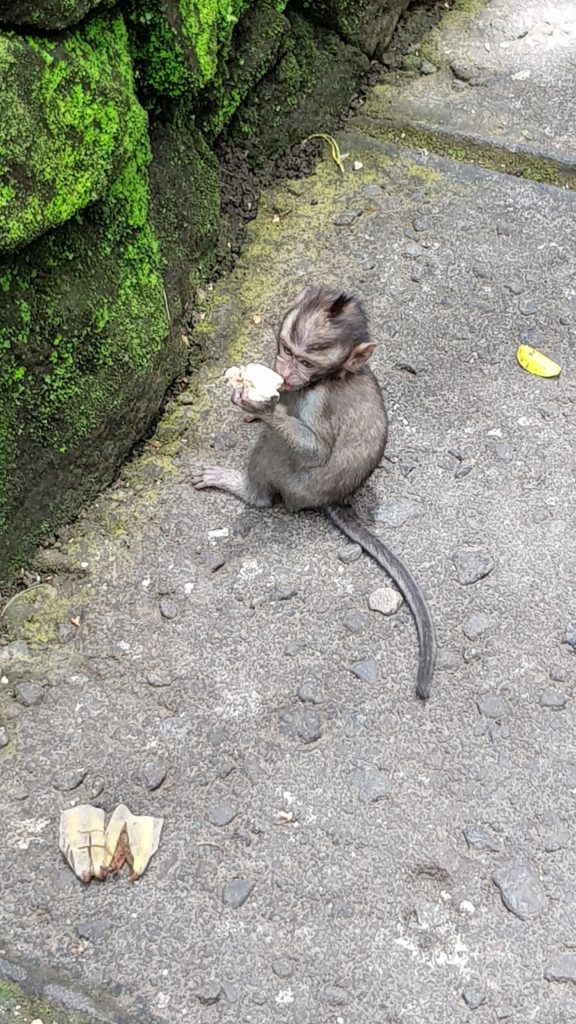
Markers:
536,362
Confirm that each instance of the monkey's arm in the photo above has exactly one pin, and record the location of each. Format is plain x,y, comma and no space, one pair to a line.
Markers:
312,447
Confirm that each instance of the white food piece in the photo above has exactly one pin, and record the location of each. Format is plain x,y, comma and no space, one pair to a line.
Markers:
261,383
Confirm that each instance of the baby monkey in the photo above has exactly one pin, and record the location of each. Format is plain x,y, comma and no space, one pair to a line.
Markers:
324,436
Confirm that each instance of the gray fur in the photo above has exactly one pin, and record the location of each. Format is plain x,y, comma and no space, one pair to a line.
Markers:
321,441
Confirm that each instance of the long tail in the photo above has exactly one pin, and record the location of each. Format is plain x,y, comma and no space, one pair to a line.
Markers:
346,520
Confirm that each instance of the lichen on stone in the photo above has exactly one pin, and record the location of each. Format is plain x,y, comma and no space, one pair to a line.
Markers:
70,121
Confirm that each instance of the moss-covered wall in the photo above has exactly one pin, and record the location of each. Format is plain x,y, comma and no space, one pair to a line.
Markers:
110,206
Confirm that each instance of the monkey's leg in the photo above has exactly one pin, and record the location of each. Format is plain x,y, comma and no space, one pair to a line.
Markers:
235,483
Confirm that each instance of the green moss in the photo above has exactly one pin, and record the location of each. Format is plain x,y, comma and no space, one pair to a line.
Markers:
35,615
84,316
70,119
491,157
177,45
432,48
25,1008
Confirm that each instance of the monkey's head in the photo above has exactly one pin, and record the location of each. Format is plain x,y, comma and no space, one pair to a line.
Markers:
325,334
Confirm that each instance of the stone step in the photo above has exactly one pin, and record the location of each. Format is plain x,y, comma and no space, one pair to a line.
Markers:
503,94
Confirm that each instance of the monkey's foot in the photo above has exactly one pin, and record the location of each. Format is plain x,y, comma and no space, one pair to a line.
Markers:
214,476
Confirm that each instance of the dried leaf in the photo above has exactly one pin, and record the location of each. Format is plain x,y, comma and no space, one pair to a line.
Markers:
75,621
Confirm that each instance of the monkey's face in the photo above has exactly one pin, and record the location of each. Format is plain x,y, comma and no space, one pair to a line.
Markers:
317,337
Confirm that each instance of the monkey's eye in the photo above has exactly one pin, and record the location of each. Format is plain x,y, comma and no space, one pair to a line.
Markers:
285,349
305,364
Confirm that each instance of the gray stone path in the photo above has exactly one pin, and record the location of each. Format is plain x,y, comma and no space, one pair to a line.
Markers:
333,851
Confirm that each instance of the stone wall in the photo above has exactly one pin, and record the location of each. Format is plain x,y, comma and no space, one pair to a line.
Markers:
110,206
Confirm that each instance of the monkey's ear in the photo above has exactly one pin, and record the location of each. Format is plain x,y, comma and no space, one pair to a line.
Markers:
338,305
359,355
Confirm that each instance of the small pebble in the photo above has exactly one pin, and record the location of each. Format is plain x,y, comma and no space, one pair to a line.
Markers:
93,930
372,191
95,788
230,991
528,306
281,593
413,250
372,784
521,889
235,893
153,774
222,813
553,699
558,674
355,621
209,993
29,694
309,692
346,217
357,165
17,649
427,68
4,738
350,553
476,626
282,968
69,779
420,223
471,564
366,670
158,679
399,511
301,724
212,562
19,793
570,635
463,469
386,600
168,609
492,706
479,838
474,998
334,995
561,968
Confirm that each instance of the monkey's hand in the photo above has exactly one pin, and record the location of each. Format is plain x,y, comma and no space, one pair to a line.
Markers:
255,409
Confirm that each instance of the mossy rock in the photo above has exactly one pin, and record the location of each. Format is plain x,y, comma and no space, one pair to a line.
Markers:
48,14
87,357
178,44
185,204
256,44
70,121
35,614
307,89
368,24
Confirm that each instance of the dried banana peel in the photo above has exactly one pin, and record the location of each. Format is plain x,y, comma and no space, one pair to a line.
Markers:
142,836
536,362
93,851
260,382
82,841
